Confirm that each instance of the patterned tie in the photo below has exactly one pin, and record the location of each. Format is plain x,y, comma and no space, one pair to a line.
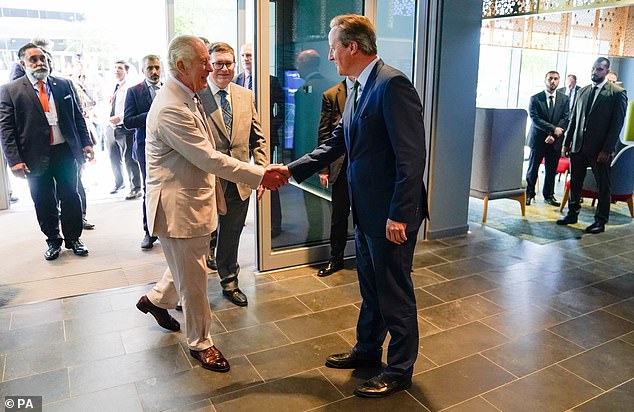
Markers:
42,95
227,116
249,82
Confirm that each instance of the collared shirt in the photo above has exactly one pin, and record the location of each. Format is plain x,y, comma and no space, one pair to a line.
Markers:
349,85
215,89
365,74
553,94
153,87
119,103
187,89
572,94
599,87
57,132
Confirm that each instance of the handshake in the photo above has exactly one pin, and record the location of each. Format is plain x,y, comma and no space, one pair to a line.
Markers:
275,176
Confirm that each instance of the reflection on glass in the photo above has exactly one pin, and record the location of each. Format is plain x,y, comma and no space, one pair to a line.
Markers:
300,40
395,21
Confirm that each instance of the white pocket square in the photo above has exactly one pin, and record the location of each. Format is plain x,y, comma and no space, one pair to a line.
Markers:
67,97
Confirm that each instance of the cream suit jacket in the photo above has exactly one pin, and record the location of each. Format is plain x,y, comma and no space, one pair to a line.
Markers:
246,133
181,164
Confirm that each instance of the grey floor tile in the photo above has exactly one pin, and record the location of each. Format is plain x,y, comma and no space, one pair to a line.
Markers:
253,339
509,275
524,320
520,294
297,357
593,329
551,389
202,406
532,352
36,317
5,321
295,393
622,286
194,385
466,250
286,288
401,401
618,399
107,322
51,386
424,277
149,337
580,301
456,382
84,305
460,288
473,405
603,269
257,313
568,279
460,342
461,268
605,249
629,338
606,366
59,355
623,309
332,297
343,277
122,398
347,380
112,372
459,312
319,323
425,300
424,259
14,340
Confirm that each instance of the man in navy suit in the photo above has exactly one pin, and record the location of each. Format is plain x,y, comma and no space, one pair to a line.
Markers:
382,132
137,104
45,139
549,114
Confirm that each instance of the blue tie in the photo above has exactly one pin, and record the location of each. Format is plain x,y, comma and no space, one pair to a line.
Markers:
227,116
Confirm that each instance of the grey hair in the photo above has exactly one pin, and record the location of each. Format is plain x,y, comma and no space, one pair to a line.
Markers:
150,57
181,49
354,27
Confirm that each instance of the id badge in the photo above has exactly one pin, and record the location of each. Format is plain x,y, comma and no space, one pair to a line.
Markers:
51,118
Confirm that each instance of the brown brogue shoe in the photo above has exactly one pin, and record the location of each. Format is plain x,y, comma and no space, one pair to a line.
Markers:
211,358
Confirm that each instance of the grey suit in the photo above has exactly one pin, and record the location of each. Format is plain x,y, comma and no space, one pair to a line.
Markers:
590,134
246,140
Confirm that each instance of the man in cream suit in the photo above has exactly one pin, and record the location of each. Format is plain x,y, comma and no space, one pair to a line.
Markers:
230,111
183,199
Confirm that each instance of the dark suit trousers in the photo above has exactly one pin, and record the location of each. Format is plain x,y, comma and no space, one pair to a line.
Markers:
578,166
121,149
81,191
389,303
551,160
229,231
57,183
140,155
339,216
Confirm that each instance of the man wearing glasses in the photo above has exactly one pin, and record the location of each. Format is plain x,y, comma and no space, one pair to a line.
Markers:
230,111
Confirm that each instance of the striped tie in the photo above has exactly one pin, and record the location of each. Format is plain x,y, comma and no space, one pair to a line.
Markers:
227,116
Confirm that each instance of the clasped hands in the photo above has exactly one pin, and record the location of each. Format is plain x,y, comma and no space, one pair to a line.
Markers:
275,176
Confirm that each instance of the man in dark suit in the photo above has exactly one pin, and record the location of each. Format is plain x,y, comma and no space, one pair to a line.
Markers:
571,90
382,132
137,104
230,111
595,125
45,139
332,105
549,114
278,110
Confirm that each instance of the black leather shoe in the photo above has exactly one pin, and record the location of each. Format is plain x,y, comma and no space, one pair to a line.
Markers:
211,262
552,201
211,358
116,189
78,248
596,227
333,266
567,220
52,252
134,194
352,360
236,297
381,386
529,199
163,318
148,241
179,307
87,225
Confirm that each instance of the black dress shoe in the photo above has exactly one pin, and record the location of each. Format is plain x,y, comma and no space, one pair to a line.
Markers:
596,227
211,262
134,194
353,360
567,220
163,318
381,386
333,266
179,307
529,199
148,241
78,248
52,252
87,225
552,201
116,189
236,297
211,358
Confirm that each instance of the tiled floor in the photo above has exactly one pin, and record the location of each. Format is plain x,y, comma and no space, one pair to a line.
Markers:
506,325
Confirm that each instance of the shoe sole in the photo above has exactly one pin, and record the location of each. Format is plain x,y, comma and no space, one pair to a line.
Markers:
333,365
381,395
209,368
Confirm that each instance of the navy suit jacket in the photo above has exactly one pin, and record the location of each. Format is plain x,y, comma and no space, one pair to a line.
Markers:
137,103
24,129
543,125
385,143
